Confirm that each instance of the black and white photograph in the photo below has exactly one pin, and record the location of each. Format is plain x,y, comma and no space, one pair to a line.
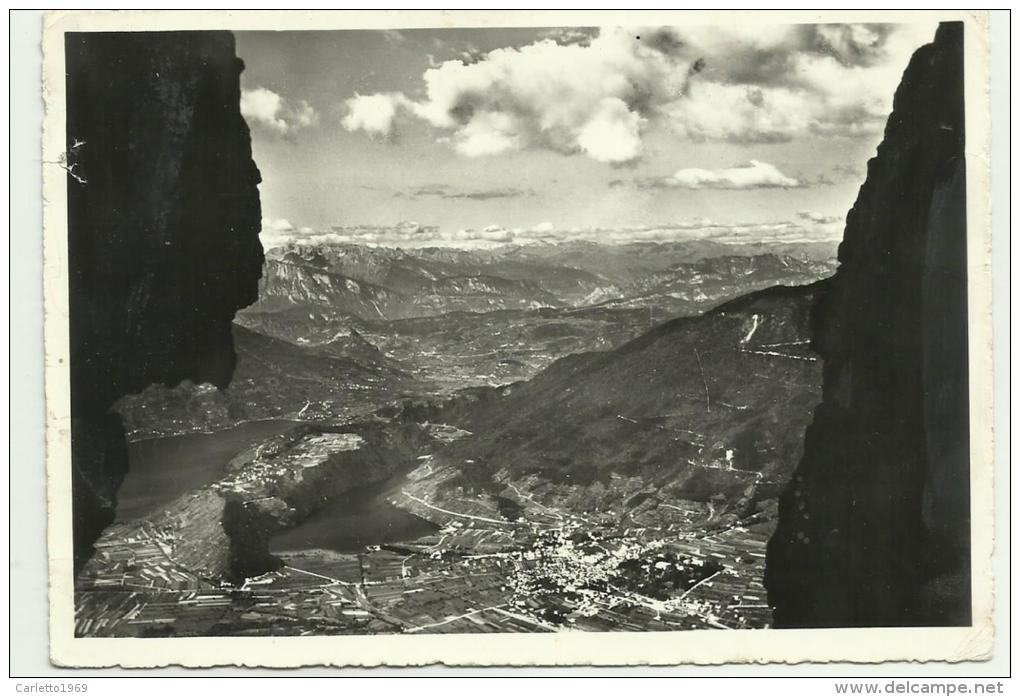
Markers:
565,325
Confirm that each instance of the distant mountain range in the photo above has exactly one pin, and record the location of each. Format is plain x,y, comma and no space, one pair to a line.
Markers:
627,263
384,283
689,287
341,329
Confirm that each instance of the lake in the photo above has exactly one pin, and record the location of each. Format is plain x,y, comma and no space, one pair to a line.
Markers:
161,469
359,518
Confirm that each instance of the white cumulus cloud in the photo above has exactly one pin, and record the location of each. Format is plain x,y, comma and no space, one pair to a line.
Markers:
599,96
373,114
268,109
276,225
488,133
819,218
276,231
753,175
613,133
773,83
590,98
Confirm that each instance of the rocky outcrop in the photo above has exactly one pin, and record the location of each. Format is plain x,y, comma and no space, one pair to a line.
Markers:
163,224
874,526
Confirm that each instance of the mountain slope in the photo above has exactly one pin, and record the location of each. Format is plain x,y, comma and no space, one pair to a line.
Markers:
709,408
630,262
286,284
289,283
690,287
412,271
276,379
386,283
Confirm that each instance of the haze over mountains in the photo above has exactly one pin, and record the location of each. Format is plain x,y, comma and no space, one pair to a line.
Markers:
341,329
393,283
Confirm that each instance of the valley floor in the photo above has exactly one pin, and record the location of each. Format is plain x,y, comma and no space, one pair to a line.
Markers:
549,570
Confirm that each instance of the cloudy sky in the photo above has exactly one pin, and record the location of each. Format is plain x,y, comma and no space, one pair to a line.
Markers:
484,136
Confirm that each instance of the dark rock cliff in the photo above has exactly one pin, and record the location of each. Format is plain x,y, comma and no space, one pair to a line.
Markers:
163,223
874,526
